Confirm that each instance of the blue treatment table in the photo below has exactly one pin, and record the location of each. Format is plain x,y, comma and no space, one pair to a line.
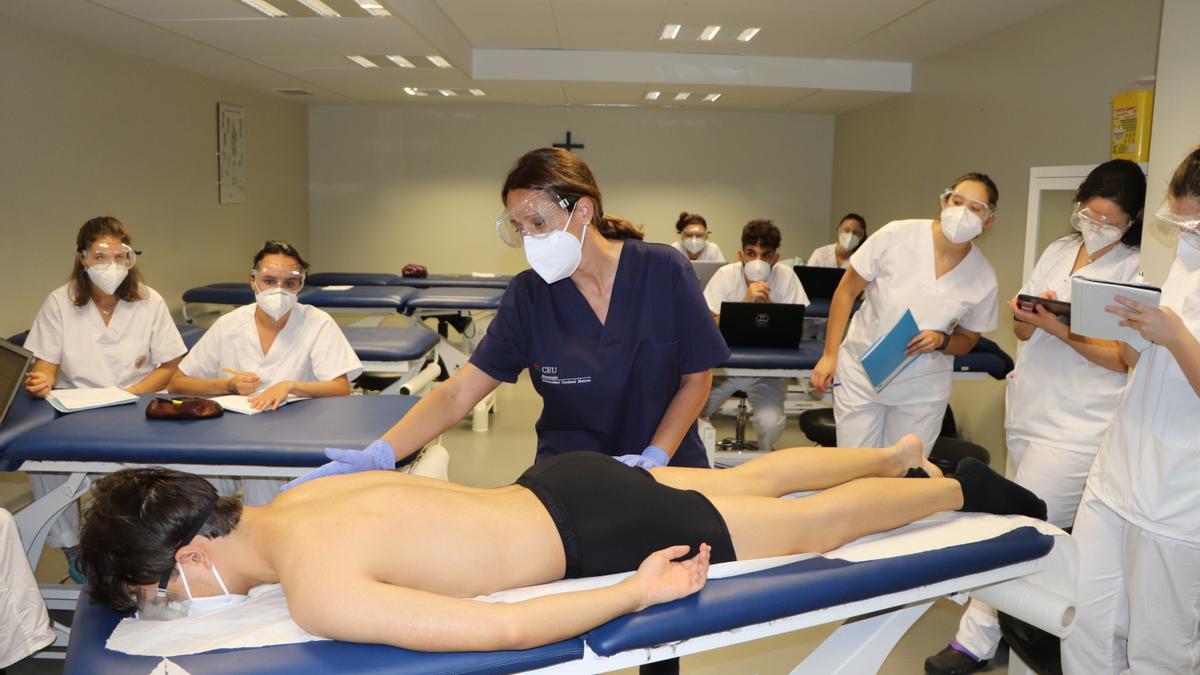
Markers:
397,352
986,359
446,300
24,414
387,279
894,592
358,298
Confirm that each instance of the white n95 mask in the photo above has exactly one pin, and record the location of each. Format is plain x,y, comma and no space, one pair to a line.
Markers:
107,277
1188,249
848,240
198,606
276,302
960,224
555,255
694,244
756,270
1096,237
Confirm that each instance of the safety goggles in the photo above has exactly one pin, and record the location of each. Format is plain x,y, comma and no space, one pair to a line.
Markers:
695,231
1185,222
290,279
952,198
536,217
159,604
1081,217
101,253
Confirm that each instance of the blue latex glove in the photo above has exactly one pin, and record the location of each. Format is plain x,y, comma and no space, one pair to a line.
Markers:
651,457
378,456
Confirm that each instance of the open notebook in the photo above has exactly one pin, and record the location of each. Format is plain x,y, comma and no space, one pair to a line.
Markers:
241,404
74,400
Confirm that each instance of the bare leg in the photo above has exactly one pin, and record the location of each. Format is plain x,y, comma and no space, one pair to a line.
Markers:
763,527
798,469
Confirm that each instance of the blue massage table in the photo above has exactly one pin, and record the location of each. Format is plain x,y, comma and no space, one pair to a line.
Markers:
386,279
390,352
987,359
371,299
24,414
891,594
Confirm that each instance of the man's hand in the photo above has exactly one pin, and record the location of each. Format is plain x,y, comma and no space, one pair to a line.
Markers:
1157,324
662,579
243,384
378,456
925,342
38,385
272,397
822,375
758,291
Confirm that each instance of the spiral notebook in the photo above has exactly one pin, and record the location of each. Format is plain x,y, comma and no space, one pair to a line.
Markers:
885,359
1089,297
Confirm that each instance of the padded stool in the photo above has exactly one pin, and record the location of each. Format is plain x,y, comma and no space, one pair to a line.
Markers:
947,451
739,442
818,426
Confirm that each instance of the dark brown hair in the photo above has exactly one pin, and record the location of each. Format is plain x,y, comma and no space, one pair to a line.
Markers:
133,525
1186,180
279,247
762,232
992,190
80,285
566,175
686,219
1122,182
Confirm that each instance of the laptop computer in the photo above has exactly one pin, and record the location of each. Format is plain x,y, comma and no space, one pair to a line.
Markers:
819,282
762,324
14,363
705,271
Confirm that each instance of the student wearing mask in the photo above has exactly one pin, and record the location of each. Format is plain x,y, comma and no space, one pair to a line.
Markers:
851,231
1062,393
693,239
756,278
931,268
104,328
271,349
1138,526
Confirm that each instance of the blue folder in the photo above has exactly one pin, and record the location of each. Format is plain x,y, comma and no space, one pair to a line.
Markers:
885,359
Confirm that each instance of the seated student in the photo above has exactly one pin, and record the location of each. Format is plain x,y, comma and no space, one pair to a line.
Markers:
356,565
755,279
693,239
22,611
103,328
271,349
851,231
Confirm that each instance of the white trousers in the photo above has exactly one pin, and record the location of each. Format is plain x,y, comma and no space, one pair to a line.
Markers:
766,396
1138,608
862,423
64,533
1057,476
24,622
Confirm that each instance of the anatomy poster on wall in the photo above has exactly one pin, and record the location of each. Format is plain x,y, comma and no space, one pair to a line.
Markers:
231,154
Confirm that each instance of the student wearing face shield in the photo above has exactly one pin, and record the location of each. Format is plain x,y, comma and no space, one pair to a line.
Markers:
693,239
1062,393
757,278
104,328
271,349
931,268
613,332
851,232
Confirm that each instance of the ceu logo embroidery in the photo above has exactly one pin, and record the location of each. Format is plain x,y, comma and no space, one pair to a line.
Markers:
549,375
762,320
141,361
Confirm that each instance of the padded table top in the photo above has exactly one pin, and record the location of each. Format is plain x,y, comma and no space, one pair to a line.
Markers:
227,293
351,279
805,357
390,344
357,297
295,435
454,281
454,299
24,414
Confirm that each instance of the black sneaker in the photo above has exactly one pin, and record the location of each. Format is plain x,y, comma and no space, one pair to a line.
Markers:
950,661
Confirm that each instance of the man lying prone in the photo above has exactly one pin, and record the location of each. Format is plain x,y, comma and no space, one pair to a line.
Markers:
384,557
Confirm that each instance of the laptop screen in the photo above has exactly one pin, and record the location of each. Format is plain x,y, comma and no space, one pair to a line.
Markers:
14,362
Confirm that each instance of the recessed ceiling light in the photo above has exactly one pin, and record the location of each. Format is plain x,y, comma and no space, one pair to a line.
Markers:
477,92
400,61
363,61
373,8
439,61
319,8
748,34
712,97
709,33
413,91
653,95
682,96
265,7
670,31
447,92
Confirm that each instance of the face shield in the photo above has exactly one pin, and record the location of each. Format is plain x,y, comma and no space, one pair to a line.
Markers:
951,197
159,604
289,278
536,217
102,254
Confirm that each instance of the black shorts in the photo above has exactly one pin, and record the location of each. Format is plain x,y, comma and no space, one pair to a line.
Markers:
610,516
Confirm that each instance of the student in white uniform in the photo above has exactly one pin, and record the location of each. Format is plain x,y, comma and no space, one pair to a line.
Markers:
757,278
1138,526
851,232
932,268
1064,389
693,239
270,349
103,328
23,616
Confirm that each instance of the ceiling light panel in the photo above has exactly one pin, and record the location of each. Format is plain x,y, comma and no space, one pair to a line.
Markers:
400,61
438,61
669,31
265,7
712,98
682,96
373,7
320,8
653,95
748,34
363,61
709,33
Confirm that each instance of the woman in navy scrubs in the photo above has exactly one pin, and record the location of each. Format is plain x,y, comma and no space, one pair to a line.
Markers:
614,332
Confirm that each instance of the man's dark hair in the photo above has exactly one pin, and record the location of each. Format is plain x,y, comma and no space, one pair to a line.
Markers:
762,232
133,526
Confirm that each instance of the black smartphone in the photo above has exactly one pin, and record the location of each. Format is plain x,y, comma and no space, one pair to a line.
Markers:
1060,309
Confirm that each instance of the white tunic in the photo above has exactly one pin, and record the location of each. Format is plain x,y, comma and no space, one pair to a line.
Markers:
728,284
1056,396
1148,467
310,348
898,261
826,256
711,252
139,337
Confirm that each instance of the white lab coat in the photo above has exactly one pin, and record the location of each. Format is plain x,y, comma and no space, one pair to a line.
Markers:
728,284
711,252
826,256
23,616
898,264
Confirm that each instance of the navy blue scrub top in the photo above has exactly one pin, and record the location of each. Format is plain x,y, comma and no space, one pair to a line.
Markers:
605,387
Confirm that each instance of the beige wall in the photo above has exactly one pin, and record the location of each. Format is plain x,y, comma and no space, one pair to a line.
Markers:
1034,94
87,131
391,185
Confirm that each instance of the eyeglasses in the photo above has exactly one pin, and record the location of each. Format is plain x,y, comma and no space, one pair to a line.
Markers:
103,254
952,198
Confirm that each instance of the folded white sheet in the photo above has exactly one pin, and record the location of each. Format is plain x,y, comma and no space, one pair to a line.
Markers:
263,619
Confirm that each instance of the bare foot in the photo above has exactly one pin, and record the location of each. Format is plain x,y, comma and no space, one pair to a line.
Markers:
910,453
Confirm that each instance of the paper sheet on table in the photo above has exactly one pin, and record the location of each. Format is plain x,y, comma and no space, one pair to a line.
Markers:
339,287
74,400
241,404
168,667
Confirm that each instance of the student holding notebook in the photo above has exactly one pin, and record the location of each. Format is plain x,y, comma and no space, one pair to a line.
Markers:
1064,389
931,268
270,349
104,328
1138,526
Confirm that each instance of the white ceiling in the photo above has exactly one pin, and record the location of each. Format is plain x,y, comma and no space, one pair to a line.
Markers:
821,56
